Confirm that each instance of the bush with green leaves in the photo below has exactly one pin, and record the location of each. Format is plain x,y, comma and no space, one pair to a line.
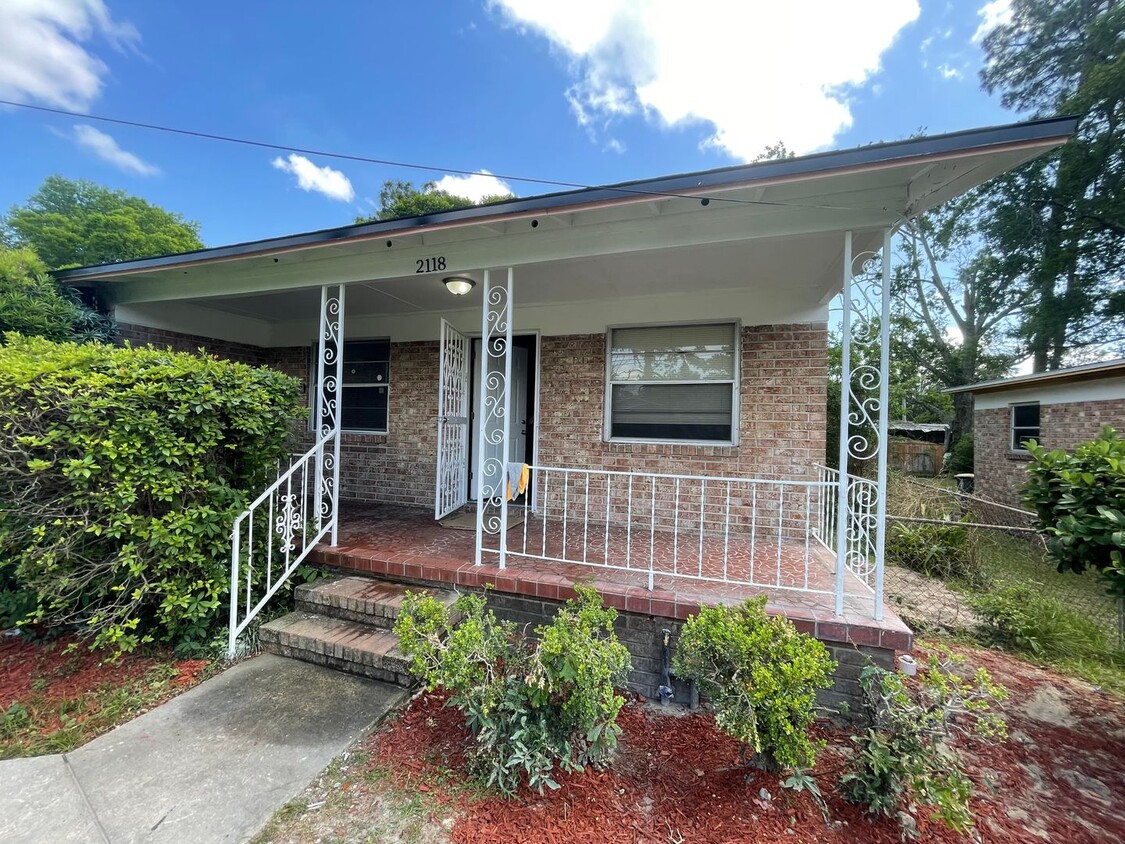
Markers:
961,455
121,472
32,304
761,675
942,551
904,760
16,601
1029,619
1079,503
533,704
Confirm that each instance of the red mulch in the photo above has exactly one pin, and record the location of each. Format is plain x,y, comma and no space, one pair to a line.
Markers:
49,674
677,778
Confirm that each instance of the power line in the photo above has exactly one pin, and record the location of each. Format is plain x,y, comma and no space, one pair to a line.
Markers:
192,133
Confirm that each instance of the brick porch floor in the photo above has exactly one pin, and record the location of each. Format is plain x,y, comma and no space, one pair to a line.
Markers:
407,544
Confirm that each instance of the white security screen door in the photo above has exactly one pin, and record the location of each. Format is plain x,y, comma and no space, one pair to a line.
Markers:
453,422
518,446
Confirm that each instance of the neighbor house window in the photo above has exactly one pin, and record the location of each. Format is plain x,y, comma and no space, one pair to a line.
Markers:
1025,425
366,387
673,382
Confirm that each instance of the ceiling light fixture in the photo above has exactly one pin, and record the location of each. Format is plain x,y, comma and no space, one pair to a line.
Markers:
458,285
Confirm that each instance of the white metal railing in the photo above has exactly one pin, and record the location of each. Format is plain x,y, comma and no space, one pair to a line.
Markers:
859,550
742,531
277,531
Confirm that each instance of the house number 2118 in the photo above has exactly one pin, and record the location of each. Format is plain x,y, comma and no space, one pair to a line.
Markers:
430,265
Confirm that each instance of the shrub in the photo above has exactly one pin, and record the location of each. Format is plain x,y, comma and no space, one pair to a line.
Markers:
1079,503
761,675
121,471
1027,618
32,304
903,759
531,706
941,551
16,602
961,455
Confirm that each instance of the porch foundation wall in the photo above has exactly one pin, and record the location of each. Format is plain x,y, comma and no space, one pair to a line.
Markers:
643,635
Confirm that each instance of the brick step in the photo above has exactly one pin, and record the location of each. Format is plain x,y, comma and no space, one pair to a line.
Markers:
364,600
337,643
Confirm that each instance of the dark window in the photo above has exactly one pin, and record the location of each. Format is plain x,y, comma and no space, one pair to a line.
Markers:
366,387
1025,425
673,382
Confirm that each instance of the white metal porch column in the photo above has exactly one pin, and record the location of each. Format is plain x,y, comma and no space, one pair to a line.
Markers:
495,403
864,372
329,405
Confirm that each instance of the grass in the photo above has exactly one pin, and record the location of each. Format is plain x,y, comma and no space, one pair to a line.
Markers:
358,799
38,726
1063,620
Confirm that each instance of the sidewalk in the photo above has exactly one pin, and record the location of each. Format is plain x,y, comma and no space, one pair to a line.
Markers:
210,765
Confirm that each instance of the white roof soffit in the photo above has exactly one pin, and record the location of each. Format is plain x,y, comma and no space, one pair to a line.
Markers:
863,190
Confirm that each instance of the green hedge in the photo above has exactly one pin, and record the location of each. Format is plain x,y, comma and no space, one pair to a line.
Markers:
121,471
1079,504
31,303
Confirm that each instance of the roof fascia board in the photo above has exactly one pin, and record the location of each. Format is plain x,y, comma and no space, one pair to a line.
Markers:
1106,369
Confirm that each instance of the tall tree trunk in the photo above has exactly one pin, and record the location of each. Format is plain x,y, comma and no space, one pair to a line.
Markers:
962,416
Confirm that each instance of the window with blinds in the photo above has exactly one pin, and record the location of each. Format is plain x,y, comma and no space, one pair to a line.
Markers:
673,382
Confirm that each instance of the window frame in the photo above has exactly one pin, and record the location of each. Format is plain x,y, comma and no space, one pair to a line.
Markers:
735,384
313,422
1013,428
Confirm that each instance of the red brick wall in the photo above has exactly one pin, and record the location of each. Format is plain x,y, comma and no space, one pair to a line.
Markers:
400,467
782,401
1000,473
783,407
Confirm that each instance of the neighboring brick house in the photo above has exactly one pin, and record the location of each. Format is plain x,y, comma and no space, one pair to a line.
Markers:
1058,409
654,353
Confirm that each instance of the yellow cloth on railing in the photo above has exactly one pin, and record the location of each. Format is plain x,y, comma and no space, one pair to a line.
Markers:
518,474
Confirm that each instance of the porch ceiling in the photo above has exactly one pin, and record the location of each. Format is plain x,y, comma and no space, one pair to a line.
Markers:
800,264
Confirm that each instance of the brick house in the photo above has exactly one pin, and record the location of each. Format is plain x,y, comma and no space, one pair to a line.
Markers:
654,352
1058,409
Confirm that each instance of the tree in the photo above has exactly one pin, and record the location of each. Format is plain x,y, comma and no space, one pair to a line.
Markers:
1060,220
913,392
958,305
32,304
73,223
399,199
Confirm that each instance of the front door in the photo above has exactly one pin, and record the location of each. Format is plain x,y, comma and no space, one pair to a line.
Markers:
453,422
519,416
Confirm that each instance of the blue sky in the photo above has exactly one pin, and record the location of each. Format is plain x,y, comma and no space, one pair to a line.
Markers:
588,91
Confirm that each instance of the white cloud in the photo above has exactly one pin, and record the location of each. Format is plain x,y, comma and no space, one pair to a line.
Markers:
950,72
475,186
325,180
755,72
992,14
106,148
44,54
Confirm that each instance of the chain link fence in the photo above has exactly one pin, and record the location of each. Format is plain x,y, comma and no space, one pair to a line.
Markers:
933,574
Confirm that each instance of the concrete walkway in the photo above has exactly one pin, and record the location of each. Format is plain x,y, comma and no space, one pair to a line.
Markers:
210,765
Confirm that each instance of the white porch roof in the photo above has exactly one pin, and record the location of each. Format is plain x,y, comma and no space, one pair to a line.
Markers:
763,241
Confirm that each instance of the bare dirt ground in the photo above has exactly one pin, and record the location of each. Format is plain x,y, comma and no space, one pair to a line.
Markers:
1059,777
926,603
